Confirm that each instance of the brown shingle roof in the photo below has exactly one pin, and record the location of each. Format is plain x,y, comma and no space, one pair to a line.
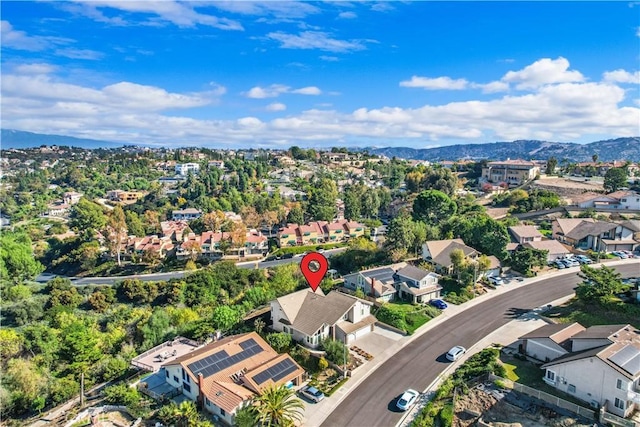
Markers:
525,231
222,388
553,246
440,250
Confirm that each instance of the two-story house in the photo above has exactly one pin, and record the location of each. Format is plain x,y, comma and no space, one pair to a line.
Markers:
71,197
513,172
224,376
311,317
378,283
528,236
611,356
438,253
590,234
186,214
417,285
186,168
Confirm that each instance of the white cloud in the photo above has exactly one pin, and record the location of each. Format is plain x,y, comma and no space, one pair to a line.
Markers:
181,14
36,68
542,72
277,9
79,53
329,58
272,91
15,39
492,87
437,83
276,106
276,90
309,90
382,7
132,112
622,76
347,15
316,40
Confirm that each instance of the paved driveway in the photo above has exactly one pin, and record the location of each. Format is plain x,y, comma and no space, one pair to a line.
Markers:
376,342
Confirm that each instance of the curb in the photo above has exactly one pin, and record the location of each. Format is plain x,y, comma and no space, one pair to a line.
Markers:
435,322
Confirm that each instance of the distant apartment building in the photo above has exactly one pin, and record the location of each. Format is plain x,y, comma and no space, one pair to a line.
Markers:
512,172
124,196
319,232
185,168
186,214
216,164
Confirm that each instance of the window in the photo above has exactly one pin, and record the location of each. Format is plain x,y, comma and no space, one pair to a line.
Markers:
184,374
166,373
619,403
621,385
551,376
187,387
207,402
571,388
175,379
222,412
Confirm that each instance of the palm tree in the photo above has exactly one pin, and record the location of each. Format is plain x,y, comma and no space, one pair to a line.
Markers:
278,406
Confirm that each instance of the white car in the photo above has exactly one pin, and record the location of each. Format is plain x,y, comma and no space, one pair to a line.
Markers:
496,280
455,353
312,394
407,399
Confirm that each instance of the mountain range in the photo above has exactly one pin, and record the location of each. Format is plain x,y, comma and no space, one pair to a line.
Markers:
608,150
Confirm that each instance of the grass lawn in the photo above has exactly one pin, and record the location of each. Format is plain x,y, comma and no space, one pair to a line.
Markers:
407,307
529,374
589,314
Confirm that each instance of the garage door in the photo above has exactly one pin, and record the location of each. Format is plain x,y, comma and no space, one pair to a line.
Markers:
362,332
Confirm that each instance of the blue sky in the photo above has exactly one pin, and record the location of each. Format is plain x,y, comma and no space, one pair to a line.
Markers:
276,74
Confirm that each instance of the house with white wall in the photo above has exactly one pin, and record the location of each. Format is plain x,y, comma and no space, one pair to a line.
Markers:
310,317
224,376
610,354
186,168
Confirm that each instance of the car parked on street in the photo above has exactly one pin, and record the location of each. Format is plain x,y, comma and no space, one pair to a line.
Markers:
312,393
559,264
620,254
497,281
438,303
407,399
455,353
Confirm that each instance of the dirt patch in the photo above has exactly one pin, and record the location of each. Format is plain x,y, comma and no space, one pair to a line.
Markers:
500,408
568,187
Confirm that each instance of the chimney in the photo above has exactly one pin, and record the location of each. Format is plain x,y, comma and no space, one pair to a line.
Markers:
373,293
200,390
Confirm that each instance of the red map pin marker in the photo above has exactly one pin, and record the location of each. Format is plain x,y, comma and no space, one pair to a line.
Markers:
314,266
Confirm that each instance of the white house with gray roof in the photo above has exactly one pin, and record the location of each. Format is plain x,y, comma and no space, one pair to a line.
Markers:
309,317
601,367
417,285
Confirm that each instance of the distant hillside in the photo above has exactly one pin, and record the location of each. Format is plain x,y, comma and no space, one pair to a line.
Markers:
612,149
20,139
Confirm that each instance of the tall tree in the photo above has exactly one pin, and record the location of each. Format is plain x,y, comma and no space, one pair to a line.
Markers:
116,232
213,220
433,206
458,260
552,163
615,178
86,218
322,203
17,262
352,203
278,406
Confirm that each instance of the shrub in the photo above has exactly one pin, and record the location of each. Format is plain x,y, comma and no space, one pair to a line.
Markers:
280,341
323,364
446,415
335,350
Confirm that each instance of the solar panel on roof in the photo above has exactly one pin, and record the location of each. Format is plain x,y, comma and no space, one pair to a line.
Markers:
276,372
628,358
248,343
221,360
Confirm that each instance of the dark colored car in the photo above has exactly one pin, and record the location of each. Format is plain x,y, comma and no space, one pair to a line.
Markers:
438,303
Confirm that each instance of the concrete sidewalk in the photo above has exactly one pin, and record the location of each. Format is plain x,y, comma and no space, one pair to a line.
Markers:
315,414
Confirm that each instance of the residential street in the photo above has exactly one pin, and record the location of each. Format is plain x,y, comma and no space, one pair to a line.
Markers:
43,278
371,402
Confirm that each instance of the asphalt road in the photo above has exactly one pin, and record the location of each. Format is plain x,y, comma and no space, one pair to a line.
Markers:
417,365
43,278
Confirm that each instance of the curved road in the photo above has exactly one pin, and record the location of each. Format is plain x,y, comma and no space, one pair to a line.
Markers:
110,280
418,364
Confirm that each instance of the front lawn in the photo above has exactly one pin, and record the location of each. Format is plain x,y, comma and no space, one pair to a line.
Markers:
406,316
615,312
